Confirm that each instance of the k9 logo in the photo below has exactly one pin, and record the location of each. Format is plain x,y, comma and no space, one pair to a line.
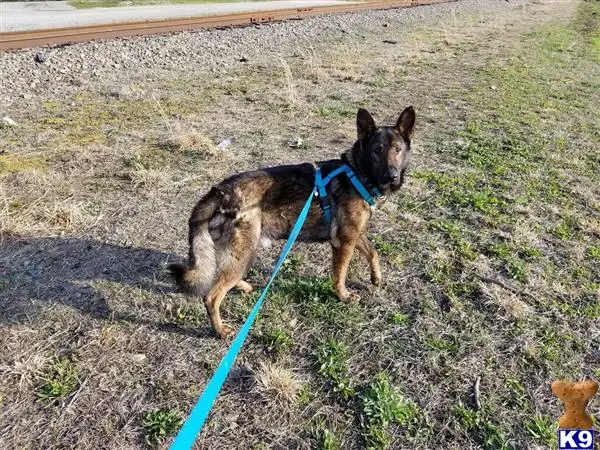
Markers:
575,439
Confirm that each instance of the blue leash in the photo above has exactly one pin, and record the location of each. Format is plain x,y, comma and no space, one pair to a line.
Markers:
194,423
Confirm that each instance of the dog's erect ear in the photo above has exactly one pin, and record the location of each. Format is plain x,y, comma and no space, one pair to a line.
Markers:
406,122
365,125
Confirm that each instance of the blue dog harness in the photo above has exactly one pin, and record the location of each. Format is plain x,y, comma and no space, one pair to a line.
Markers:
321,184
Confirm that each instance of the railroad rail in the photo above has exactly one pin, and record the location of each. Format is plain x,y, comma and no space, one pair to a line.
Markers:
16,40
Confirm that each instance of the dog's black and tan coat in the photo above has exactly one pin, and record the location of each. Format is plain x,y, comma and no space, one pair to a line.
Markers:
230,222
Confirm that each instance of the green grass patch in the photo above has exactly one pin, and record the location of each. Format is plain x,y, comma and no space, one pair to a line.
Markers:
485,432
60,379
382,404
323,439
160,424
331,362
399,318
318,301
543,430
277,341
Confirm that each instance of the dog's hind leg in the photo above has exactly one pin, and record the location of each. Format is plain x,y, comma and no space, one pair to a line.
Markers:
234,260
365,247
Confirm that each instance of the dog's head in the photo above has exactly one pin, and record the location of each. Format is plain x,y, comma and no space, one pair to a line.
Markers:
382,154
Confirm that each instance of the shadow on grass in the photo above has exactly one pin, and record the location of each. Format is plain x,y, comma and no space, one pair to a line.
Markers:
37,272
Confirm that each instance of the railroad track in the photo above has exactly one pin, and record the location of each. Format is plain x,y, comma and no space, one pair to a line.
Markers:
16,40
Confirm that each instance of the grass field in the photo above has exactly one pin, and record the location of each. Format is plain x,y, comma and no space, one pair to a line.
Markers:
491,253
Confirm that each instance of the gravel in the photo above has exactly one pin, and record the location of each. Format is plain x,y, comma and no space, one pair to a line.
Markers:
120,62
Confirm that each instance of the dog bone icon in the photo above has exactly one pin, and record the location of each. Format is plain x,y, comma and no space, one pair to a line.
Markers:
575,397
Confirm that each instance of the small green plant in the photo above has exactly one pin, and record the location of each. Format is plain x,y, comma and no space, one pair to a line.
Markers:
60,379
550,344
323,439
542,429
593,252
323,111
160,424
563,230
502,251
292,264
449,344
382,404
385,248
136,162
399,319
319,301
309,288
331,360
518,396
486,433
189,316
305,395
516,269
530,253
277,341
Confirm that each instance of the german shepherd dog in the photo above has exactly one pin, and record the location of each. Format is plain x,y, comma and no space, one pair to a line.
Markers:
250,209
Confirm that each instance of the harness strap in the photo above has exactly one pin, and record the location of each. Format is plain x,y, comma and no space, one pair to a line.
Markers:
321,184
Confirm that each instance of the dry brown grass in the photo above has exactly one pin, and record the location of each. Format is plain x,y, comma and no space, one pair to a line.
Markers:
277,384
182,137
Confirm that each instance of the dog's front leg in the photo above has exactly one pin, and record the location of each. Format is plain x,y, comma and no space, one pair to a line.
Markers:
342,253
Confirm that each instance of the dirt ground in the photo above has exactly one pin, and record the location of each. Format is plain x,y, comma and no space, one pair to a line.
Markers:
491,253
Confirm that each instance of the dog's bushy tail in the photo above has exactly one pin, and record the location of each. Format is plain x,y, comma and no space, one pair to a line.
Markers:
197,277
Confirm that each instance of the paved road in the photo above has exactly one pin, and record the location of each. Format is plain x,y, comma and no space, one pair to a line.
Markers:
18,16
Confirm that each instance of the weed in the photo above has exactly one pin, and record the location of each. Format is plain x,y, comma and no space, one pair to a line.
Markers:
160,424
292,264
518,396
331,360
189,316
502,251
487,434
399,319
449,344
530,253
61,379
319,301
385,248
516,269
323,439
563,230
542,429
550,346
323,111
305,395
277,341
382,404
593,252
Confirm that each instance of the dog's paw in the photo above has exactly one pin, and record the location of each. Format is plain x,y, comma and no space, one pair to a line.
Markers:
376,279
348,297
244,286
225,332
